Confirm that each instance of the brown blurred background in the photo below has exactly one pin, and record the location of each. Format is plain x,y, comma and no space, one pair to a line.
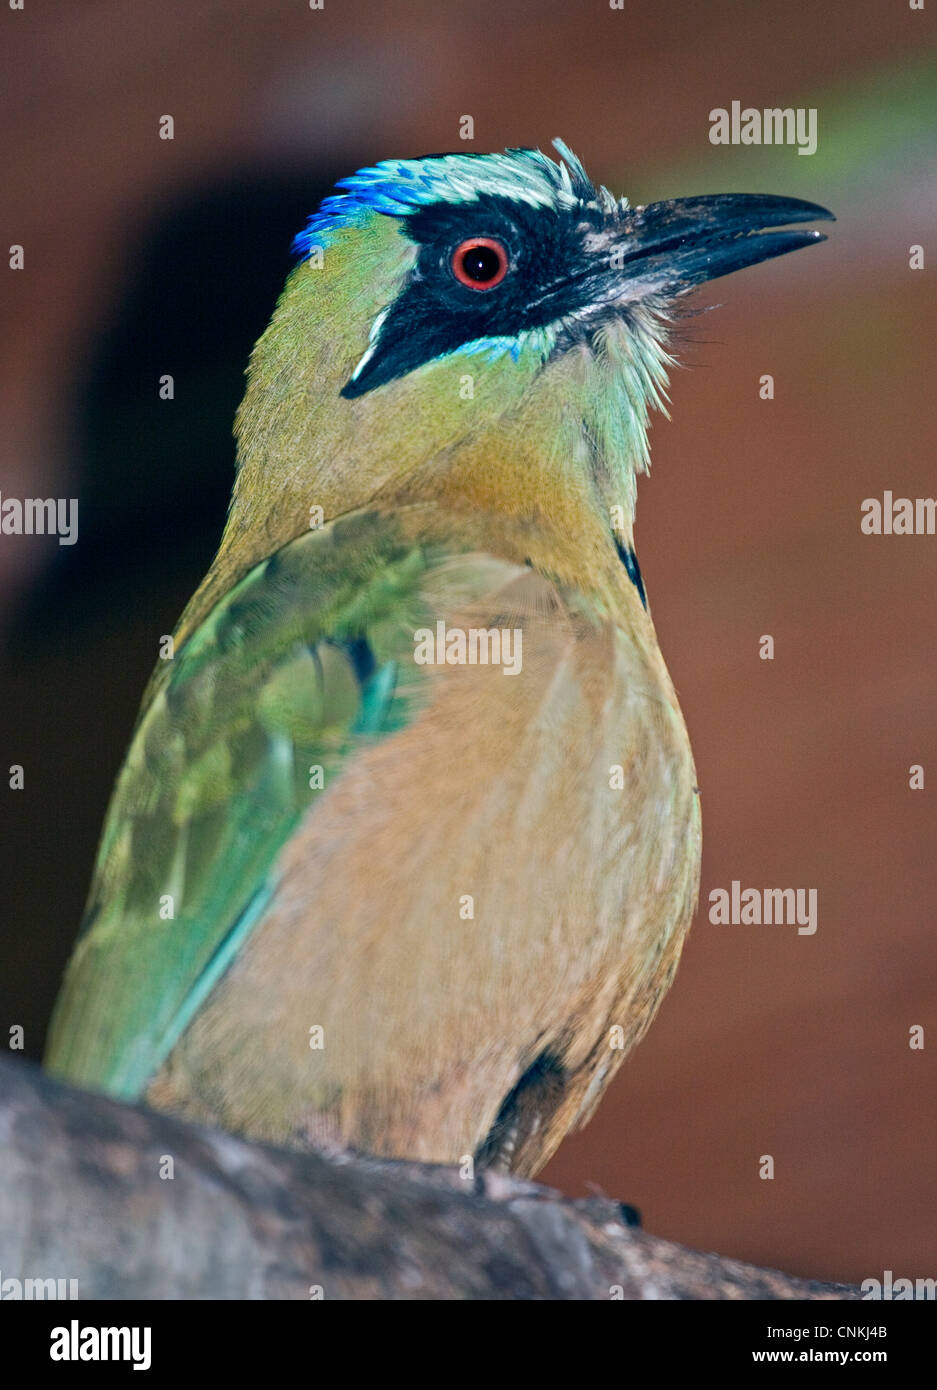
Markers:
145,257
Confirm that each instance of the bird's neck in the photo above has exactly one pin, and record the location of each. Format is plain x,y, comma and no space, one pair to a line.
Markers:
548,456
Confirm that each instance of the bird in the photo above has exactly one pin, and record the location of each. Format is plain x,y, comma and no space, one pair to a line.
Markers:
406,845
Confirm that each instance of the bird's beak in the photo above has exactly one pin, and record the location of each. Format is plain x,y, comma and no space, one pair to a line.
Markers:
671,246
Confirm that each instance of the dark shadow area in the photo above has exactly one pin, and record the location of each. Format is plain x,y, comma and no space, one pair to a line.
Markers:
154,479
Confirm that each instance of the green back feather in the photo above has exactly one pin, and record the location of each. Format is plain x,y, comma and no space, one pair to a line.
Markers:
218,777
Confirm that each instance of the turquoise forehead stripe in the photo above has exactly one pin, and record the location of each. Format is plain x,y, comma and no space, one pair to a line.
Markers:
396,187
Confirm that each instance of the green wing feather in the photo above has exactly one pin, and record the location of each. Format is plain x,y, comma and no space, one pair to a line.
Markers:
294,669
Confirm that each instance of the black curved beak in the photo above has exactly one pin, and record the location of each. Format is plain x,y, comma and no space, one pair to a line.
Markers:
672,246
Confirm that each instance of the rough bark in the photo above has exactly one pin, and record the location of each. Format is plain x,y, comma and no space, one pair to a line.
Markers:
82,1197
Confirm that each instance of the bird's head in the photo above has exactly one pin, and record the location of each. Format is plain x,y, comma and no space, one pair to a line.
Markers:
492,316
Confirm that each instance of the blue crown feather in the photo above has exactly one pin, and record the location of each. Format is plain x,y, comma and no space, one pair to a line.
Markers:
396,187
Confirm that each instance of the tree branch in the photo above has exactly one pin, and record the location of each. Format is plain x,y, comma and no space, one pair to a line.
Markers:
86,1194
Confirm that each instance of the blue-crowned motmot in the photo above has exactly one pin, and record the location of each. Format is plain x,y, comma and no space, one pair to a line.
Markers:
406,844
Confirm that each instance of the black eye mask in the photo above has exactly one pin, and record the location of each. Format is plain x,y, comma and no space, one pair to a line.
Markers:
435,313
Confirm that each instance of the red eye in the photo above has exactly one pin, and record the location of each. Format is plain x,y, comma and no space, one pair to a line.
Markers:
480,263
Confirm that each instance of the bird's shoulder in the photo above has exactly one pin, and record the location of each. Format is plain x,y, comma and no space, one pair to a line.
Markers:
296,668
